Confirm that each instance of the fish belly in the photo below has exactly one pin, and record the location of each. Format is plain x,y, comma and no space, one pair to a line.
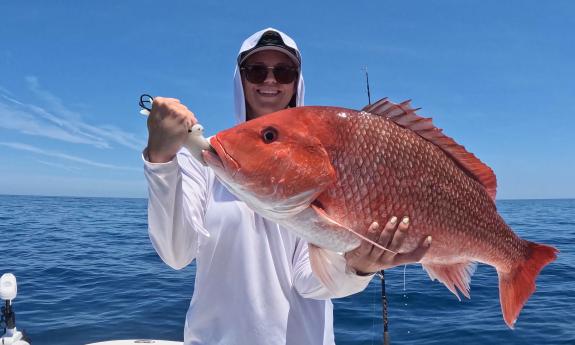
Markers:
320,232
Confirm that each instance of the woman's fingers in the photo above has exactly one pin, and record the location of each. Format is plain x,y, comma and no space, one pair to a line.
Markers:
399,235
384,238
388,232
413,256
369,258
363,252
372,233
168,125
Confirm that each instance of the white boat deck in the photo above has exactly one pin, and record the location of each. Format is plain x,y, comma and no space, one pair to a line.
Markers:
138,341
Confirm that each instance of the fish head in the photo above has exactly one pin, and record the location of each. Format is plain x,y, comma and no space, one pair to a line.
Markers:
273,163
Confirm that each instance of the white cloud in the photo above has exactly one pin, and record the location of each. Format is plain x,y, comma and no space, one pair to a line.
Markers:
58,165
57,121
5,91
35,121
60,155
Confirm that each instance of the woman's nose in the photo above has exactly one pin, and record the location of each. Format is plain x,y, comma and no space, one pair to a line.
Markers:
270,77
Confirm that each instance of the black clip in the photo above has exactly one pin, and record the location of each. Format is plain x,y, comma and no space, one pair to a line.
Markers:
146,102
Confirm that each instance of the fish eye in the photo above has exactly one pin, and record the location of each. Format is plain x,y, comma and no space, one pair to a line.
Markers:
269,135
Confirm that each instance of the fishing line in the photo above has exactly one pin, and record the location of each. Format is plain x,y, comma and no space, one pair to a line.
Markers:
386,340
404,268
373,316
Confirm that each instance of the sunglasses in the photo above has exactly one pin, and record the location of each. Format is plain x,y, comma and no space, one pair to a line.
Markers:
257,74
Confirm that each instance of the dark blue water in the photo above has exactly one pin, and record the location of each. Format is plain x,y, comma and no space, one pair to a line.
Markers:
87,272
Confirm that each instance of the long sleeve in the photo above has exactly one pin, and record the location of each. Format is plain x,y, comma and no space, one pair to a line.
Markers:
309,286
176,207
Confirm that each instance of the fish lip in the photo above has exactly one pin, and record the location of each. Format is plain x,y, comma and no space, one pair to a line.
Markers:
211,155
212,159
217,149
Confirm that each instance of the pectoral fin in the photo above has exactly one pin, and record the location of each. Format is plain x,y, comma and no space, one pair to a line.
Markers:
321,214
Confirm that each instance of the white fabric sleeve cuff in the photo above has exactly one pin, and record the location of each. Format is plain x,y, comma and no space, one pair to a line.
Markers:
346,279
159,168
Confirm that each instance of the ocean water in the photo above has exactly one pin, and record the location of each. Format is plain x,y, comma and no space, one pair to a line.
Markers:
87,272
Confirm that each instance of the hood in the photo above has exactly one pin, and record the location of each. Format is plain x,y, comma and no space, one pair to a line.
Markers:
239,99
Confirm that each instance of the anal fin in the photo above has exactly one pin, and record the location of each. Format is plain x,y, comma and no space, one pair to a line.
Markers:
455,276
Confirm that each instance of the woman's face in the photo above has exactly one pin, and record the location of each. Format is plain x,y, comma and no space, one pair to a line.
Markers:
269,95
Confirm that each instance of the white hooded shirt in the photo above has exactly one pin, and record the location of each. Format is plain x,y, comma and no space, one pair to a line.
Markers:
254,284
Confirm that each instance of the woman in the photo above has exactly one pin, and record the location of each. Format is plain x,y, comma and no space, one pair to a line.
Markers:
254,283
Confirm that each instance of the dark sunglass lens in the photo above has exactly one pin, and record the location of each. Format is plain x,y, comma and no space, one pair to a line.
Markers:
256,74
285,75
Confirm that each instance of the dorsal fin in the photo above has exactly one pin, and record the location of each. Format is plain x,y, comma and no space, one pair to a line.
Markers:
404,115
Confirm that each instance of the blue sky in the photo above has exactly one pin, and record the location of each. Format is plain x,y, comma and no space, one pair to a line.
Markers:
497,76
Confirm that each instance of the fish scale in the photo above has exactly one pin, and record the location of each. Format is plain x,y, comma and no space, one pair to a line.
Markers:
327,173
398,185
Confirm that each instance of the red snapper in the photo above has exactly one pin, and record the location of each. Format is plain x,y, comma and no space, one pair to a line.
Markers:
327,173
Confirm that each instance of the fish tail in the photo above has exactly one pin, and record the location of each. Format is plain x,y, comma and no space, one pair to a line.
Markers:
516,286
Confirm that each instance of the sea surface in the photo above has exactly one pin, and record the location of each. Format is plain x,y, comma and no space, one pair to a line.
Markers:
87,272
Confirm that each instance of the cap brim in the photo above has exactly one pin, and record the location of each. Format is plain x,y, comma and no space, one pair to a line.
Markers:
275,48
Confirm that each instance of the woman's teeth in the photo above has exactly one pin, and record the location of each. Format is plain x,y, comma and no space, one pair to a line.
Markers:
268,92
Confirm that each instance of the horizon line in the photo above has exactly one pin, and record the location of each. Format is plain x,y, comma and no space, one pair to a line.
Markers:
145,198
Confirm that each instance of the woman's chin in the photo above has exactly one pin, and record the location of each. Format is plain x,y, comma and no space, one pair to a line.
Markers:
266,109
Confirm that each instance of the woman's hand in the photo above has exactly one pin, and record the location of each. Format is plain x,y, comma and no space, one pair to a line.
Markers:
367,258
168,125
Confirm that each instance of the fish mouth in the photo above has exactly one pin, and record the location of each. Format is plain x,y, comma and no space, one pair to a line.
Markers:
218,158
212,158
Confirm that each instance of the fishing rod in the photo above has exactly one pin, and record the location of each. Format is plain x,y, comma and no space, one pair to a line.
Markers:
381,273
367,85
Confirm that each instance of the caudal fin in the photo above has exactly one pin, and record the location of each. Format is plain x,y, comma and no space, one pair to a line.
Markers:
516,286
